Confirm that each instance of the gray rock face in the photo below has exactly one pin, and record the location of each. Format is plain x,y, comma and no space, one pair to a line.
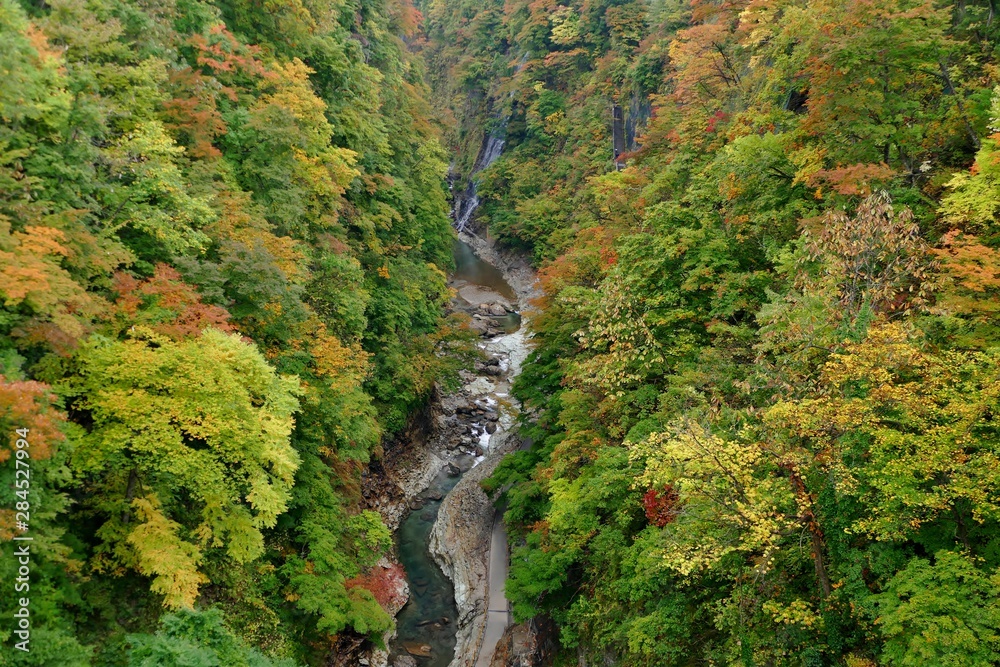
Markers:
460,539
528,644
460,543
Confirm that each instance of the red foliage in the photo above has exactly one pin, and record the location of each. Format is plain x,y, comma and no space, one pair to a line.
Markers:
661,506
714,120
167,305
387,584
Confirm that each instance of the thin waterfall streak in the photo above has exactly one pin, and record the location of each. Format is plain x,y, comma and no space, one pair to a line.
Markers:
468,202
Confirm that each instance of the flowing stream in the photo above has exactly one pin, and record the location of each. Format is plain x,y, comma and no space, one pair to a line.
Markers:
429,617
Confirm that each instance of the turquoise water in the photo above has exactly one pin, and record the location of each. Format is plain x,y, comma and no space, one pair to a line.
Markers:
429,616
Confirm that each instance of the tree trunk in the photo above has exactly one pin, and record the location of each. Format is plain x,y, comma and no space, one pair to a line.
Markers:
817,553
133,478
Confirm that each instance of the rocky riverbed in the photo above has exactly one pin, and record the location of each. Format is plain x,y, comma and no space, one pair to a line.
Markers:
460,539
461,437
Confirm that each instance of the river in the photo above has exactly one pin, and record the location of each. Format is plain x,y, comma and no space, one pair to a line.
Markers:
427,624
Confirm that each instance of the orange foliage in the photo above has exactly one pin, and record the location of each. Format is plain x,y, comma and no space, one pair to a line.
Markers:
194,113
185,317
585,263
237,222
855,179
407,17
222,52
337,361
32,277
31,405
973,266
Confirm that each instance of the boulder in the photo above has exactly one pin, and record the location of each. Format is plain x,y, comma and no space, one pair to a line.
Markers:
418,649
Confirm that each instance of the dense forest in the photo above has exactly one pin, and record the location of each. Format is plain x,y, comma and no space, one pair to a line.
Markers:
763,398
224,238
767,380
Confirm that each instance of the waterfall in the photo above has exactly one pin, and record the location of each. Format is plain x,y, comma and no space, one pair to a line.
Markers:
468,202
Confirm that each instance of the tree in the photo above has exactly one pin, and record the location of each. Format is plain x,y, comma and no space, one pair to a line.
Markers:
196,639
201,424
941,612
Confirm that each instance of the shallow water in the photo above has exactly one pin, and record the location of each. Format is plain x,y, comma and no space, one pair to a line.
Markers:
473,270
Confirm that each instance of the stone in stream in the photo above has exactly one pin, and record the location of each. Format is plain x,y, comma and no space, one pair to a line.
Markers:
404,661
491,427
418,649
453,470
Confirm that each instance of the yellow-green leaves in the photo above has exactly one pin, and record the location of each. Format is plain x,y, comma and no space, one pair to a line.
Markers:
161,554
974,201
908,432
730,498
202,423
151,194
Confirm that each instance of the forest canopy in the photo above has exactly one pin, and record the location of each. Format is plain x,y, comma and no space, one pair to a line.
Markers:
764,392
763,395
223,244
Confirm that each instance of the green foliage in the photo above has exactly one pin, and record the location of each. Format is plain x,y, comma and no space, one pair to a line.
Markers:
223,238
195,639
767,336
943,613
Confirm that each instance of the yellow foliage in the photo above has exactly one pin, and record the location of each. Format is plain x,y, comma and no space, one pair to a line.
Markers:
161,553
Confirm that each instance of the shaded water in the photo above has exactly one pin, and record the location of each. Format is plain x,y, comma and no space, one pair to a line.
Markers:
471,269
430,615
